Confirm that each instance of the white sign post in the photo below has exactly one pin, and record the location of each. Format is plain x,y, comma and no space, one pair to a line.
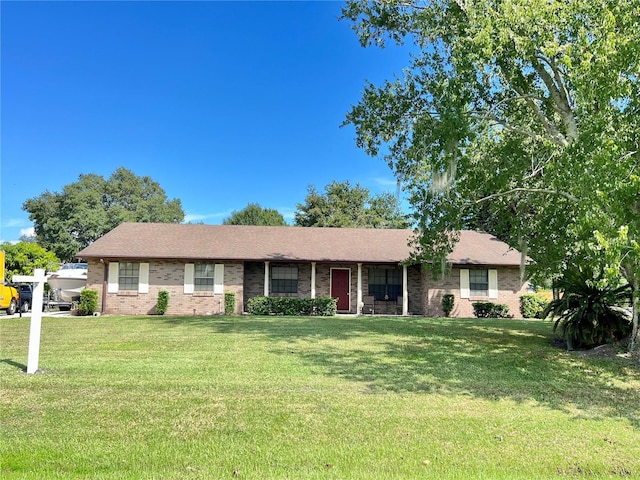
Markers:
38,279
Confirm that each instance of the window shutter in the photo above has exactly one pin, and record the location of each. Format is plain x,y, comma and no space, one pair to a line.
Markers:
218,279
493,283
464,283
114,273
189,272
143,278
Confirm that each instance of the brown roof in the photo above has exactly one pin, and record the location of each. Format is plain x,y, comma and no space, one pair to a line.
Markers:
253,243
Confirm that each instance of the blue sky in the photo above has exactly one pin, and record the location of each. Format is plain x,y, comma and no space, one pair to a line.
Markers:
221,103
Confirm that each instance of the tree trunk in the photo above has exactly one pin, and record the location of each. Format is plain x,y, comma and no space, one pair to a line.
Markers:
635,309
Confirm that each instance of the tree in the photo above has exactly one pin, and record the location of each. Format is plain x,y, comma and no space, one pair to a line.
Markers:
342,205
23,257
523,115
68,221
254,214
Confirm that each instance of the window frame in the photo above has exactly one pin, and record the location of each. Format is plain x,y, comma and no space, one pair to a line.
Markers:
284,278
389,290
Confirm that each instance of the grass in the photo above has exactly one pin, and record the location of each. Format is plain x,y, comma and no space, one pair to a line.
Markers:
311,398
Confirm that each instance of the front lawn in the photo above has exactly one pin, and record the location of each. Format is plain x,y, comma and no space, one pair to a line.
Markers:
301,398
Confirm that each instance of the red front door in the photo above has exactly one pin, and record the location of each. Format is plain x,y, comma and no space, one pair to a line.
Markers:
340,287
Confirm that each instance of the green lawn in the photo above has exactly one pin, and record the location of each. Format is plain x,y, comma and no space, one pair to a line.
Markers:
322,398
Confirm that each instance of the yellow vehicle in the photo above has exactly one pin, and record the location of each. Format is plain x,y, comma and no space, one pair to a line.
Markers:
9,296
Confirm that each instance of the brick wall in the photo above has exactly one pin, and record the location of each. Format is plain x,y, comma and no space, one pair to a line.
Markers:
510,288
169,276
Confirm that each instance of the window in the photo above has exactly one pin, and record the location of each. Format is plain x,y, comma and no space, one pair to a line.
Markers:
203,277
479,283
385,283
128,276
284,279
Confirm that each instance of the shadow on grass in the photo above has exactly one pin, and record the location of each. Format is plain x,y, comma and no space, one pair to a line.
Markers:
13,363
489,359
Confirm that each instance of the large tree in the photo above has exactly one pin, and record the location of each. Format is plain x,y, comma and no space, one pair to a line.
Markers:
343,205
67,221
520,115
23,257
254,214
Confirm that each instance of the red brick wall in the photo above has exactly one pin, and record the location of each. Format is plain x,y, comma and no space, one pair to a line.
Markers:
510,288
169,276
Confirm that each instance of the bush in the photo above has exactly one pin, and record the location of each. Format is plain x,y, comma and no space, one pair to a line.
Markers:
588,314
88,302
447,303
229,303
532,306
490,310
163,302
324,306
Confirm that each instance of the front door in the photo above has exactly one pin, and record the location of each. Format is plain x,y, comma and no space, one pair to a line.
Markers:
340,287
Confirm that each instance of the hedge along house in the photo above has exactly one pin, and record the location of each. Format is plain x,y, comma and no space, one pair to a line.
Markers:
197,264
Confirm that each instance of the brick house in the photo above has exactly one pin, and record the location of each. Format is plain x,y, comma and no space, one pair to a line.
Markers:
197,264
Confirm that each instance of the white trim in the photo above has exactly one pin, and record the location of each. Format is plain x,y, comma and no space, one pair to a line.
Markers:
465,291
359,294
218,278
313,279
143,278
189,272
493,283
405,291
114,273
266,278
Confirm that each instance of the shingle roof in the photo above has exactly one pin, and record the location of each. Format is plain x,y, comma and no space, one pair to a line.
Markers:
254,243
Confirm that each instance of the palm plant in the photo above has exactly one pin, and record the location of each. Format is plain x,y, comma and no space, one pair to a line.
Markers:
589,312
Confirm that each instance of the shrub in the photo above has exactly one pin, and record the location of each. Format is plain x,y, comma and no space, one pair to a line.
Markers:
447,303
88,302
532,305
229,303
588,313
163,302
490,310
324,306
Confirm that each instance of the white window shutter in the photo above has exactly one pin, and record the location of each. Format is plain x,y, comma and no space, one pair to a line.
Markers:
143,278
218,279
189,272
493,283
114,273
464,283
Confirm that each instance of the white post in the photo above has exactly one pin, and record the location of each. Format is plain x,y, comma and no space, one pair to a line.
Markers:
38,280
359,294
313,279
266,279
405,292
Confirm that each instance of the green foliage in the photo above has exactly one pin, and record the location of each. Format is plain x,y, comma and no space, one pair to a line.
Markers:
448,300
88,304
163,302
519,118
254,214
490,310
588,313
67,221
532,306
22,258
229,303
322,306
342,205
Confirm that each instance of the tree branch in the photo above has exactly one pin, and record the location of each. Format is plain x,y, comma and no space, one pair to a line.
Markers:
566,195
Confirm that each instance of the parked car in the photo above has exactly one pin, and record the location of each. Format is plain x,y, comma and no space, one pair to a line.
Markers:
25,291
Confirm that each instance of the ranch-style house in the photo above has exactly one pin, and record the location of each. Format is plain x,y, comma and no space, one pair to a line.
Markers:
366,270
